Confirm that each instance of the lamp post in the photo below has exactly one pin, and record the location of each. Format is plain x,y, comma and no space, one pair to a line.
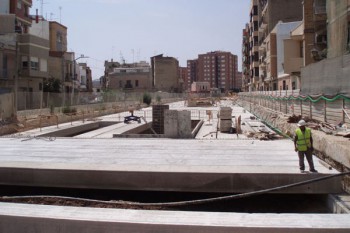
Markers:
74,76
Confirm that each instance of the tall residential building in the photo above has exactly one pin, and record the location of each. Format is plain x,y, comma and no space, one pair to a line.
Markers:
184,78
264,15
165,74
192,72
246,81
219,68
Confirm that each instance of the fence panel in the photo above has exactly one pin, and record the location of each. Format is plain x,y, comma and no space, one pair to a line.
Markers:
318,110
297,107
306,108
334,112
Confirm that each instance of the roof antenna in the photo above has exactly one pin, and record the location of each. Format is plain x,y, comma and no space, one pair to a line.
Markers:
60,14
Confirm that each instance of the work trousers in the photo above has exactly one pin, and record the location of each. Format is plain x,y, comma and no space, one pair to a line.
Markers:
308,155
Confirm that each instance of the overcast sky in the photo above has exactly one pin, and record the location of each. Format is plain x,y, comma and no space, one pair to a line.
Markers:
139,29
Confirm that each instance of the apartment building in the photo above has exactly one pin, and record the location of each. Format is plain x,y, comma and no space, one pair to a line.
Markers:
246,81
219,69
264,15
14,20
192,72
184,78
165,74
135,77
19,8
329,71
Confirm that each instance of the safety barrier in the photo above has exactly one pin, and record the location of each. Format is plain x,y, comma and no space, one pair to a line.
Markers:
334,110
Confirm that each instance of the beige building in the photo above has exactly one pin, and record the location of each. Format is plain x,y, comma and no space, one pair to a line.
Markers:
264,15
200,87
165,74
109,68
131,77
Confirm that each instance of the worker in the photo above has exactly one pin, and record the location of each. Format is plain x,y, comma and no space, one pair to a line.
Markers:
303,144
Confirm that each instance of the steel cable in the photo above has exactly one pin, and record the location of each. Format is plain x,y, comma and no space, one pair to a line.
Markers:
182,203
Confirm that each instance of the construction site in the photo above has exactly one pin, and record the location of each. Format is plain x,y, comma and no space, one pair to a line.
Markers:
199,165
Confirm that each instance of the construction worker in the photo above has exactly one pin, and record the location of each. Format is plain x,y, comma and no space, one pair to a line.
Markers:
304,145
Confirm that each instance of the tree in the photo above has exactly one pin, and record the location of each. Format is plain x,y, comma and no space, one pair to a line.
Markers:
52,85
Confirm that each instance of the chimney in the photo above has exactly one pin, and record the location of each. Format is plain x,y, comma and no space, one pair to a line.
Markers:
37,16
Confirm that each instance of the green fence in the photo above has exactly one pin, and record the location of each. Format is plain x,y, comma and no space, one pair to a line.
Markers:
334,110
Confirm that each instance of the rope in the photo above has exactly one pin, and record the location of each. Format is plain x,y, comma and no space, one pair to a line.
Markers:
184,203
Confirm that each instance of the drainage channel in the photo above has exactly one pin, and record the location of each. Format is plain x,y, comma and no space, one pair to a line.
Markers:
266,203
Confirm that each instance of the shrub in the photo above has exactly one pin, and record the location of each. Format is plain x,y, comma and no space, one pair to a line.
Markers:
69,110
147,99
158,98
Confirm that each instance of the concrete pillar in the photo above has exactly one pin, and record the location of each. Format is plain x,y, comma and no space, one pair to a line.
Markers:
177,124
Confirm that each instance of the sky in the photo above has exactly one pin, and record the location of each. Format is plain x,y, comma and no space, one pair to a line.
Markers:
135,30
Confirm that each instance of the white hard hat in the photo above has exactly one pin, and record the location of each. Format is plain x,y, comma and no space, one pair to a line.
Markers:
301,123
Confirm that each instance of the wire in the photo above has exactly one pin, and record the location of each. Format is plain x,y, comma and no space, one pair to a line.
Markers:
184,203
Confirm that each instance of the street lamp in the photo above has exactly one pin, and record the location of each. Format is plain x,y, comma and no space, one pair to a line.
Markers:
74,76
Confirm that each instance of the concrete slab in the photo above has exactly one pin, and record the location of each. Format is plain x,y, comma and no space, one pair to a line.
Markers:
16,218
160,164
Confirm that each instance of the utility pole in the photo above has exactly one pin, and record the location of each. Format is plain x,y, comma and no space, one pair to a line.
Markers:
74,77
16,78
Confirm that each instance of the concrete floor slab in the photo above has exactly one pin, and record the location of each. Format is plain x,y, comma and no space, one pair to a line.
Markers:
157,164
16,218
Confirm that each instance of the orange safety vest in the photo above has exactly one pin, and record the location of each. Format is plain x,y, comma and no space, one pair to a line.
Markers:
304,139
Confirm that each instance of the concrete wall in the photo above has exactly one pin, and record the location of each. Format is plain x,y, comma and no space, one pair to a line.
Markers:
329,77
292,11
7,23
165,73
40,29
293,60
337,29
177,124
6,106
118,81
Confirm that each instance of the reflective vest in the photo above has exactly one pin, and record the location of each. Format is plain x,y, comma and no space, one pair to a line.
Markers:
303,141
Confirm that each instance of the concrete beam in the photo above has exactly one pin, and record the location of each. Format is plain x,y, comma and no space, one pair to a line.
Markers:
16,218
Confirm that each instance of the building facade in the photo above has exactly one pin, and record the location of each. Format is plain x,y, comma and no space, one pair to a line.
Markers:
264,16
192,72
219,69
165,74
134,77
184,79
329,74
109,68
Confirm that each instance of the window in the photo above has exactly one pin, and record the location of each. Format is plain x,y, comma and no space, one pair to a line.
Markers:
34,63
43,65
19,4
25,63
136,83
121,84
